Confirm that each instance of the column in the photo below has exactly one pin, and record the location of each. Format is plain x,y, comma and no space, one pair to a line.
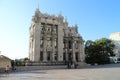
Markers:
44,51
36,43
60,42
66,50
79,51
83,53
45,45
73,50
53,42
53,49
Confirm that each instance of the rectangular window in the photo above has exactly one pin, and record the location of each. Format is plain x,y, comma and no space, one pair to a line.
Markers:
55,29
41,42
70,45
55,43
49,29
41,56
56,56
64,56
48,55
42,28
49,42
76,44
77,56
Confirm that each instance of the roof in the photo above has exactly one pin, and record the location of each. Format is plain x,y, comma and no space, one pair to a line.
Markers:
2,57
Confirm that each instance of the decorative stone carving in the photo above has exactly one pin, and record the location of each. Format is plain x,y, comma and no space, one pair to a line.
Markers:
56,37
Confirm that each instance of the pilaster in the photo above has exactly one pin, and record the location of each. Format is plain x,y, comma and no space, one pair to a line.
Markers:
73,50
83,53
66,50
79,51
36,45
53,50
45,43
60,42
44,50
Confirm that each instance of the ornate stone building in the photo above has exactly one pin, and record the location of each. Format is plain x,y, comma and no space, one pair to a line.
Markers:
52,40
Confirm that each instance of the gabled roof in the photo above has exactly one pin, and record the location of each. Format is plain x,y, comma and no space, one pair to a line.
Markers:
2,57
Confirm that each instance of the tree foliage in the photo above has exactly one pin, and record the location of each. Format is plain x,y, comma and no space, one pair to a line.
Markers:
99,51
19,62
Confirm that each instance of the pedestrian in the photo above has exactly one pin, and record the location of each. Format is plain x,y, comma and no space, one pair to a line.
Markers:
76,65
7,69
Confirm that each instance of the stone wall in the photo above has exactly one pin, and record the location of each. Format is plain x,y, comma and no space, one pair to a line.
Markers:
28,68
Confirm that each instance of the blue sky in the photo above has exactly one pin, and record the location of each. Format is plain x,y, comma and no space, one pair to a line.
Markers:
95,19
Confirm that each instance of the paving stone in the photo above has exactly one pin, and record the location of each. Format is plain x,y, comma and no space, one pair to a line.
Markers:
103,72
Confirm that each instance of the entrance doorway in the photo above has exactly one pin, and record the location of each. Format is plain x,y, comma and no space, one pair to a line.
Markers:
70,57
77,56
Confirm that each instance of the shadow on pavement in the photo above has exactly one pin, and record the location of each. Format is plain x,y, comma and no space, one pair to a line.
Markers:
30,72
104,66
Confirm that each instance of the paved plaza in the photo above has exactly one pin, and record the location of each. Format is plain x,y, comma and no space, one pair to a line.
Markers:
103,72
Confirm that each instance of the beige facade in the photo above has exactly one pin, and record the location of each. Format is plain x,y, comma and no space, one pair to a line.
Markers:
115,37
4,61
52,40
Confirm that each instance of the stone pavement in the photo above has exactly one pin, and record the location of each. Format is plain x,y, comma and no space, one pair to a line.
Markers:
104,72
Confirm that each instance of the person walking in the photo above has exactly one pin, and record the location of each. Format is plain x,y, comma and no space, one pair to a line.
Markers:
7,69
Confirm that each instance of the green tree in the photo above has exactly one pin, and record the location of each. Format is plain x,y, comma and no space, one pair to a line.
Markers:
89,46
106,46
99,51
21,62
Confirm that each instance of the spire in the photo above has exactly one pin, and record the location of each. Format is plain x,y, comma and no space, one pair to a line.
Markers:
37,12
76,28
65,19
38,6
75,25
60,17
60,14
37,9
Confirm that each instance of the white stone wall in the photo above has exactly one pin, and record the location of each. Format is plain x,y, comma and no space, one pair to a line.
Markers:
115,37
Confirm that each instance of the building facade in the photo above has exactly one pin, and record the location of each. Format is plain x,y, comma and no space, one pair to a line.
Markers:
52,40
4,61
115,37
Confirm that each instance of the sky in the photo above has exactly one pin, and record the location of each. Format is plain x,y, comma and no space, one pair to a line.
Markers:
95,19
